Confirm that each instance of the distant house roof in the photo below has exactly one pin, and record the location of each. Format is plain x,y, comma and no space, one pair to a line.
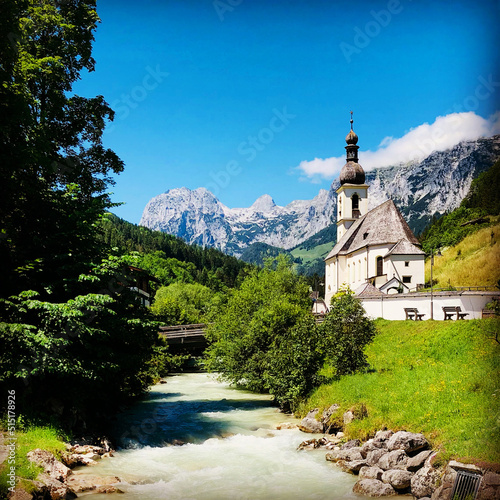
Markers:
381,226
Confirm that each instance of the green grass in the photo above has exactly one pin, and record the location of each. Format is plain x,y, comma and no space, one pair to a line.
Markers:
314,253
438,378
28,439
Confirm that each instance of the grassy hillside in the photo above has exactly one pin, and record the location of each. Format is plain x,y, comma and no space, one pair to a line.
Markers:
442,379
475,261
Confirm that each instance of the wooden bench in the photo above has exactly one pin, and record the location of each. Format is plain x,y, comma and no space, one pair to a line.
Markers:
450,311
412,313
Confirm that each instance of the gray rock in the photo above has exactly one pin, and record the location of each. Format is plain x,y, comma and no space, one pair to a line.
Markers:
353,443
89,482
374,456
373,488
349,455
396,459
328,427
371,473
56,489
51,466
407,441
353,467
312,444
372,445
398,479
310,424
443,492
348,417
424,482
383,436
418,461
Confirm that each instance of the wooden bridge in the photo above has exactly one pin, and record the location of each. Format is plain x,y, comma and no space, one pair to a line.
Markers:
185,337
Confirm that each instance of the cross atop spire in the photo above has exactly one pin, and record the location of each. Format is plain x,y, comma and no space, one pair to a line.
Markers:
351,120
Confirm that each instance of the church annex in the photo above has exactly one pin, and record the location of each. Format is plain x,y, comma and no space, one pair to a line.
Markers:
375,250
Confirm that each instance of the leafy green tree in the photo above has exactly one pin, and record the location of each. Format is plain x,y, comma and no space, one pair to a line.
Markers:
345,332
83,356
182,303
54,168
263,339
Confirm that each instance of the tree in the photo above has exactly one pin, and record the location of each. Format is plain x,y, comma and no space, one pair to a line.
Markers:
54,168
83,356
182,303
345,332
264,338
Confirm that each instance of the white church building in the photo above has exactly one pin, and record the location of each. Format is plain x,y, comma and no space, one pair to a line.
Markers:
376,250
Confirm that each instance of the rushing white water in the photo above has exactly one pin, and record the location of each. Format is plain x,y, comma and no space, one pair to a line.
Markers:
231,448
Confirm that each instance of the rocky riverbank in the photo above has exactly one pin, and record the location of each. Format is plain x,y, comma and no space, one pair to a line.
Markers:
397,463
58,482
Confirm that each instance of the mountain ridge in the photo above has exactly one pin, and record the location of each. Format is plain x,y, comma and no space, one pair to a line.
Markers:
420,189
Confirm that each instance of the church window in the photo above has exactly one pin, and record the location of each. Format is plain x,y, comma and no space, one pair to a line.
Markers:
355,205
355,201
380,266
407,264
406,279
365,236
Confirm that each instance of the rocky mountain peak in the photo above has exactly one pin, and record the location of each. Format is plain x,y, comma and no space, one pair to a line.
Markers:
263,204
419,189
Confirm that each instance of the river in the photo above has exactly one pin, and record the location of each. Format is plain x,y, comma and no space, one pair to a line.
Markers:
195,438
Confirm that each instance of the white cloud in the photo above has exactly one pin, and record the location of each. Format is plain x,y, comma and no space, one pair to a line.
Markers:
417,144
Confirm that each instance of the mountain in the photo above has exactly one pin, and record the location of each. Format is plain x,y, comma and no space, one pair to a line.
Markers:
421,189
199,217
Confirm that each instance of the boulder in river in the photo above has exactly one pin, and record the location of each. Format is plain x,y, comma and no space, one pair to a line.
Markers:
374,488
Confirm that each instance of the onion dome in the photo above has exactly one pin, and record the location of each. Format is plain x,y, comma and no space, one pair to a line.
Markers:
351,137
352,173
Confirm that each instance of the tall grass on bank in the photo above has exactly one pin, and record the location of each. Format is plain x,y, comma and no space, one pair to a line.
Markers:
475,261
28,439
439,378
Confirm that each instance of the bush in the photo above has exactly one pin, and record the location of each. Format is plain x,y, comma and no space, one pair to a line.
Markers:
345,333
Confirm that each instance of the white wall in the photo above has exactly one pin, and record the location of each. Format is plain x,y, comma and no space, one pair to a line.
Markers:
416,269
392,306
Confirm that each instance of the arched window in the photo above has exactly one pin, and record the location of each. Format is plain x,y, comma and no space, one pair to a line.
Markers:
355,205
380,266
355,201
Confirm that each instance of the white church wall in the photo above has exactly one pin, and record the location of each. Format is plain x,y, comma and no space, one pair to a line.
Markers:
372,254
392,306
407,265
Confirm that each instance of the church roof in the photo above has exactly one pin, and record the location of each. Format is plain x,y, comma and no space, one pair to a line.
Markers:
404,247
381,226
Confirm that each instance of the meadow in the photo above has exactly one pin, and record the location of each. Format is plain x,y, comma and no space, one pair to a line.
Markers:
475,261
439,378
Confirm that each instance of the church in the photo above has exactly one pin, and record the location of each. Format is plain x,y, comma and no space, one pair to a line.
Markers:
376,251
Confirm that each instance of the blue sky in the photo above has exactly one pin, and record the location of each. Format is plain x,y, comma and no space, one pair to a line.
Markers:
247,97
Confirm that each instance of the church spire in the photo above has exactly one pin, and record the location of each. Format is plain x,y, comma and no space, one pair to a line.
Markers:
351,148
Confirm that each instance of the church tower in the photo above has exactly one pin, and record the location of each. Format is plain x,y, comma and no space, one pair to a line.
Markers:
352,195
